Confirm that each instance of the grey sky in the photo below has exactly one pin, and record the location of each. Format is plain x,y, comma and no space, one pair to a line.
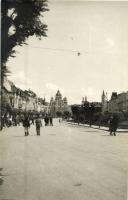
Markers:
98,30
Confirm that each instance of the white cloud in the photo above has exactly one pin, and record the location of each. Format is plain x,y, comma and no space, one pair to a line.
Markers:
54,87
87,91
51,86
83,91
50,90
92,94
21,80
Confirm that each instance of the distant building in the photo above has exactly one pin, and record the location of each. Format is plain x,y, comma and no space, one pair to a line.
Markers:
58,102
7,97
113,103
84,100
117,102
42,105
104,102
97,106
58,105
15,99
123,101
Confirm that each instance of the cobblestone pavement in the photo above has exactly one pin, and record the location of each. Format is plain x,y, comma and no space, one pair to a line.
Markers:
66,162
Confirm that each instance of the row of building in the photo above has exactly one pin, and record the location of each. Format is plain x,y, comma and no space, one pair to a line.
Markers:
15,99
117,102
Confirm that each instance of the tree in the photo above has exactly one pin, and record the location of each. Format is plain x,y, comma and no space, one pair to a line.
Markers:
66,114
86,110
76,110
20,19
91,113
59,114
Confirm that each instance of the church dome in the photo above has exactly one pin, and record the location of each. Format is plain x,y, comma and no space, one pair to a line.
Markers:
58,95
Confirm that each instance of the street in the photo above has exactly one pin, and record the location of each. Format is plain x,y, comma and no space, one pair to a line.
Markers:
67,162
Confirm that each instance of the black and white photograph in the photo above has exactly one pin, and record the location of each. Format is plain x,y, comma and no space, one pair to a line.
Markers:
64,100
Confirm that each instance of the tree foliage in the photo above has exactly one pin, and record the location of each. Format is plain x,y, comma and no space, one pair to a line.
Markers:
59,114
20,19
66,114
82,113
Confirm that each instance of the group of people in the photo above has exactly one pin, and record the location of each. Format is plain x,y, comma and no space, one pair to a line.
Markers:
27,120
11,120
38,123
48,120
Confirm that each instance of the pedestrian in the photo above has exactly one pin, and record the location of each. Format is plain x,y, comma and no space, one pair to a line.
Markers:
113,124
51,120
59,120
14,120
38,125
45,120
9,121
26,125
17,120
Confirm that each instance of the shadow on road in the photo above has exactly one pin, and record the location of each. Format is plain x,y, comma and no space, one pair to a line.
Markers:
78,184
91,131
7,199
24,136
52,134
1,177
1,181
113,136
106,135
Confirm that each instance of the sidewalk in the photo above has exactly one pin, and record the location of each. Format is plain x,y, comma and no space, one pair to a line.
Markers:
119,130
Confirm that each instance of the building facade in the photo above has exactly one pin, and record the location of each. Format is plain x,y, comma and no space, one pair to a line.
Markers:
15,99
104,102
117,102
58,105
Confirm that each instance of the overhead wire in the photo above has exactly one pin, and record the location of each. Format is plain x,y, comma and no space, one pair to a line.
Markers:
56,49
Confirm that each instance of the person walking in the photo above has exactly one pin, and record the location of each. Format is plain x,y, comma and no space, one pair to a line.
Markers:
113,124
38,125
60,120
51,120
26,125
45,120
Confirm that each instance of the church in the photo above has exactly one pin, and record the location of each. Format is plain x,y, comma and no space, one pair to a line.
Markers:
58,105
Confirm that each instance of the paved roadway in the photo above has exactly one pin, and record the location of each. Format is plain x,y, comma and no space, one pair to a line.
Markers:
66,162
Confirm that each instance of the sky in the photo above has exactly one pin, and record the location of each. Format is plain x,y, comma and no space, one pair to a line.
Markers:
98,30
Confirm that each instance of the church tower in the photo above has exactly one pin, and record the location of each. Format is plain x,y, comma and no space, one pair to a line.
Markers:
84,100
65,101
58,105
52,107
104,102
58,101
58,96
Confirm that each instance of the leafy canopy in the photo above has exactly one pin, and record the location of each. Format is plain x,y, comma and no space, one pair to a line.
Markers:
20,19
